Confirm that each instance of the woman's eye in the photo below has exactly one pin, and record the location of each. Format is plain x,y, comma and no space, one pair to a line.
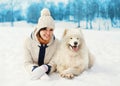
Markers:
51,29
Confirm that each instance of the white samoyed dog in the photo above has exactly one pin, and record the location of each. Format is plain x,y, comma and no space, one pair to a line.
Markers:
72,56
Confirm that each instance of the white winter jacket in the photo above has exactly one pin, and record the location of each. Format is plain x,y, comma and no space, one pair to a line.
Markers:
32,51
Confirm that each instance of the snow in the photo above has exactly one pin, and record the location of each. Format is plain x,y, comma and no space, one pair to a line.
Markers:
105,45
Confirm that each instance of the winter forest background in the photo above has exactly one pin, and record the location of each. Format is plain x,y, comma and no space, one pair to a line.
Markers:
106,13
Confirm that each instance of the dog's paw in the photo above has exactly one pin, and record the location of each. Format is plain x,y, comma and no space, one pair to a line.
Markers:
67,75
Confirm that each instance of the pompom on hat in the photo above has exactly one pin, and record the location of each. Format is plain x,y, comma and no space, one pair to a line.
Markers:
45,20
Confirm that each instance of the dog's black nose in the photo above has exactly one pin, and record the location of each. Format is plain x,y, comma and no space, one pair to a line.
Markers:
75,43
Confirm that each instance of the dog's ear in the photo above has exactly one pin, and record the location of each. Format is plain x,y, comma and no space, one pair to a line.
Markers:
65,32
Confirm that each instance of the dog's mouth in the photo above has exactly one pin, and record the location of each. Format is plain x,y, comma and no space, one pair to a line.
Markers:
75,48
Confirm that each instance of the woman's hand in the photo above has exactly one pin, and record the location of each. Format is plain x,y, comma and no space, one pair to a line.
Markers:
39,71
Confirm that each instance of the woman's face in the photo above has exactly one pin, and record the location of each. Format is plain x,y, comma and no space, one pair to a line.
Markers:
46,33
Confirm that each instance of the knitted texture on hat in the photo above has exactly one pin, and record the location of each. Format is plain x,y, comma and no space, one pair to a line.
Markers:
45,12
45,20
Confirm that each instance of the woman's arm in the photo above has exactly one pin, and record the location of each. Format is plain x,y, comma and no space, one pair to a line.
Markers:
28,61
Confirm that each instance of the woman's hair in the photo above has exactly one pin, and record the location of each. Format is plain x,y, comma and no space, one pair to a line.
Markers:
44,28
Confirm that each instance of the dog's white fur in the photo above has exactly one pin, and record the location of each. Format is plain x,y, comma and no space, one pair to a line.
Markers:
73,56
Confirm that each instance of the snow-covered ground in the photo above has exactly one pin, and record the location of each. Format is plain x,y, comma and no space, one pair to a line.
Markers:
105,45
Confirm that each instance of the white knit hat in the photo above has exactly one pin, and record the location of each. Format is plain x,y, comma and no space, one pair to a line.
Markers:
45,20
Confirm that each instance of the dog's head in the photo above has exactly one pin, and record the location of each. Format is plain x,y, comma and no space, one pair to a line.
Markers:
73,39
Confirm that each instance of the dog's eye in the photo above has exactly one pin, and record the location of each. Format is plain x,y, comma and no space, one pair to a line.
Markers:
70,38
77,38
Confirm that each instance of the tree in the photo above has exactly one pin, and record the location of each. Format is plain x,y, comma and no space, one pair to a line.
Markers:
91,7
3,12
60,11
76,7
67,12
33,12
52,8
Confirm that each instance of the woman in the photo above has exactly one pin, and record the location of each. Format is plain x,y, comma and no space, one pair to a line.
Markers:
40,47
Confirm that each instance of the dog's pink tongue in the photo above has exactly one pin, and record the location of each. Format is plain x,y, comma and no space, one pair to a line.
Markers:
75,48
